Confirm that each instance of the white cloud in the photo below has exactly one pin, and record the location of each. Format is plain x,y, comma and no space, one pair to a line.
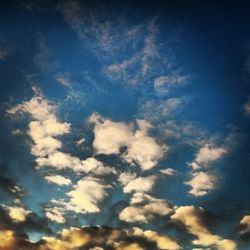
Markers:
167,171
87,195
18,214
111,136
95,167
192,217
58,179
55,214
126,177
201,183
140,184
207,155
144,208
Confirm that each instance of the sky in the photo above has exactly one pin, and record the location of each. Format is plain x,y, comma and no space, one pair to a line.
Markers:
124,125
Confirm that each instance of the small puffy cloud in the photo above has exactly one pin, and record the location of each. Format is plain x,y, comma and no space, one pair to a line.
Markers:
18,214
141,148
207,155
144,208
7,240
192,218
140,184
87,195
245,223
58,180
55,214
95,167
201,183
167,171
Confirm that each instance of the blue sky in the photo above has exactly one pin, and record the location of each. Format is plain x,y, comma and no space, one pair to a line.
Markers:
127,115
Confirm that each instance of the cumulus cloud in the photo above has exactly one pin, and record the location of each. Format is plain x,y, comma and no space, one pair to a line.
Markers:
18,214
55,214
105,238
201,183
144,208
58,180
87,194
207,155
140,184
192,218
126,177
141,148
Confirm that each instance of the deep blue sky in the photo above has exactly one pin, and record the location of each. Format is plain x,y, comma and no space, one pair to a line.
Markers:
181,66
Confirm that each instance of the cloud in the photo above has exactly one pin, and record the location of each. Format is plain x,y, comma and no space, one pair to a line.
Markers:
201,183
18,214
141,148
144,208
55,214
140,184
164,84
94,167
126,177
245,224
87,195
207,155
58,180
192,218
153,110
167,171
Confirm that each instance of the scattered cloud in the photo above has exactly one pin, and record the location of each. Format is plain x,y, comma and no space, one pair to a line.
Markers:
58,180
164,84
87,194
168,171
201,183
140,147
192,218
207,155
247,107
144,208
55,214
18,214
140,184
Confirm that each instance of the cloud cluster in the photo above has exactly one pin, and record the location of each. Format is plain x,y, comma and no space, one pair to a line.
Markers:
141,148
202,182
144,208
91,238
193,220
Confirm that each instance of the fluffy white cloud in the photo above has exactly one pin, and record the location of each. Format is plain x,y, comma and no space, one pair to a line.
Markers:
55,214
111,136
87,195
18,214
58,179
192,217
167,171
140,184
126,177
201,183
207,155
95,167
144,208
